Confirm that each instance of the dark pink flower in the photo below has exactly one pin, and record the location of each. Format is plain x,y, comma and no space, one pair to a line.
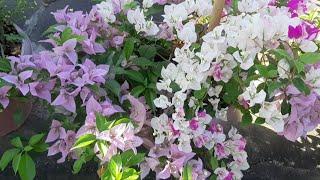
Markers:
295,32
193,124
220,151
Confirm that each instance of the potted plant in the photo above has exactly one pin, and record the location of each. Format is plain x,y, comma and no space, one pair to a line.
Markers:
13,42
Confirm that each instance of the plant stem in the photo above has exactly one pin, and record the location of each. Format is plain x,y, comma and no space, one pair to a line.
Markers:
216,14
2,50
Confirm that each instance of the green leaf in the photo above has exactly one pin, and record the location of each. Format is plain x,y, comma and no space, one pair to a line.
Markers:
155,9
134,75
77,165
16,142
136,91
187,173
273,86
147,51
16,162
213,177
310,58
40,147
143,62
84,141
28,148
101,122
67,34
122,120
150,96
115,166
128,47
214,163
103,147
36,139
266,71
114,87
300,66
119,70
282,54
235,6
5,65
285,107
50,30
175,87
273,73
260,120
200,94
301,86
130,174
27,168
130,5
232,91
246,118
130,159
7,157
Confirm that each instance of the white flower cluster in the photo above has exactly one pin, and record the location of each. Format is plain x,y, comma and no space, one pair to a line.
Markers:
176,14
249,33
106,10
138,18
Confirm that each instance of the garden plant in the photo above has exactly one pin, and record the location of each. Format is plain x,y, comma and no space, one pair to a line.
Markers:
143,88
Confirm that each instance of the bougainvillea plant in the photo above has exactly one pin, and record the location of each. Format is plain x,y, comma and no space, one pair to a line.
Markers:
143,87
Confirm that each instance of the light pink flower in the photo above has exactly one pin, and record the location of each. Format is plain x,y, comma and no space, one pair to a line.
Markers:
56,131
66,99
22,62
19,81
42,89
138,111
4,100
61,15
92,73
89,46
68,49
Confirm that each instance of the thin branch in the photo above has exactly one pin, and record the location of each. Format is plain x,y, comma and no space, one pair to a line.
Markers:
216,14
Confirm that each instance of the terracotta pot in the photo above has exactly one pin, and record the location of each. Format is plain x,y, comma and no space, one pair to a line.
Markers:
18,110
14,116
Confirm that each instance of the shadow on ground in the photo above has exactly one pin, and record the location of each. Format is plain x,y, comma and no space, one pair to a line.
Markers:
273,157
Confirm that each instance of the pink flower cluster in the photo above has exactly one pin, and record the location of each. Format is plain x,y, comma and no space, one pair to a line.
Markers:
304,116
91,26
62,72
63,141
205,132
305,30
63,66
176,160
